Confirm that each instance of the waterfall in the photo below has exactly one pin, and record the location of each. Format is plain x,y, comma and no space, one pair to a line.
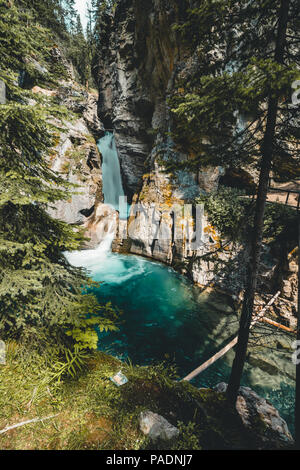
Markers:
114,196
90,259
107,267
112,181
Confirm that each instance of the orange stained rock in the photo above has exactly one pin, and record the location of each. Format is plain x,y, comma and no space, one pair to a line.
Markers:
43,91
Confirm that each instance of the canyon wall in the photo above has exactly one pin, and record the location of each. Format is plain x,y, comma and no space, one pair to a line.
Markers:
138,64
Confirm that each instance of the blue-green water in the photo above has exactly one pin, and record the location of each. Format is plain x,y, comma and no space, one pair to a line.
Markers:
166,318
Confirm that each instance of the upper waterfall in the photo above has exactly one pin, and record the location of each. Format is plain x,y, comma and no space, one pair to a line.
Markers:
112,181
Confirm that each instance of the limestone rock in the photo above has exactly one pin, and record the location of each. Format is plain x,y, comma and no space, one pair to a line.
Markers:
77,160
43,91
209,179
91,118
103,220
76,157
41,69
156,427
287,289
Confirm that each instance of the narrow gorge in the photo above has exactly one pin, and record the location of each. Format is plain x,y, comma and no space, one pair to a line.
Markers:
128,213
166,317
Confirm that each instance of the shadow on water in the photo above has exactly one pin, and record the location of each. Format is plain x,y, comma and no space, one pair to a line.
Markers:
165,318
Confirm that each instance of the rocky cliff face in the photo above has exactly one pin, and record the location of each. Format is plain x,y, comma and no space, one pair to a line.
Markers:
139,62
76,157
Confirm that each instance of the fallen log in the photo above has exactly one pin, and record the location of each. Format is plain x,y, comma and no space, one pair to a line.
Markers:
230,345
278,325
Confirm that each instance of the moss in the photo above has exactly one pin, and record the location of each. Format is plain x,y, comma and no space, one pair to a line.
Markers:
77,154
90,139
65,168
95,414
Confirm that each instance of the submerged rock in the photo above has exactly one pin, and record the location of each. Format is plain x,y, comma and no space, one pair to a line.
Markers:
156,427
260,417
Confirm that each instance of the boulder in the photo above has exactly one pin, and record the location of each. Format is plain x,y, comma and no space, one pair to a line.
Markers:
103,221
43,91
287,289
260,417
156,427
41,69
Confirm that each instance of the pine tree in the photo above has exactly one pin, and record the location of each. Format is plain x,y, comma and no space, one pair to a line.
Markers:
41,295
98,10
267,156
58,15
79,52
237,110
219,113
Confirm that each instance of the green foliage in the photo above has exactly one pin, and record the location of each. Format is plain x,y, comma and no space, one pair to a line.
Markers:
92,413
79,52
231,212
42,297
57,15
72,363
20,38
96,318
206,119
188,439
98,32
280,223
219,109
44,23
227,210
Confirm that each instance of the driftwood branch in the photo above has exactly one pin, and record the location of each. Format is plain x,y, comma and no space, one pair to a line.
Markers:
35,420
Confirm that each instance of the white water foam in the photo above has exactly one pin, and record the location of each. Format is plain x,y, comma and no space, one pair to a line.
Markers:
106,266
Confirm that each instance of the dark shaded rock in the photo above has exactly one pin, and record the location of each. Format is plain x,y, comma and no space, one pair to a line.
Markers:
261,418
136,64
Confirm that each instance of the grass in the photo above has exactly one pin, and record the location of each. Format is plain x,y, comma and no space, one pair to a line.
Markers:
94,414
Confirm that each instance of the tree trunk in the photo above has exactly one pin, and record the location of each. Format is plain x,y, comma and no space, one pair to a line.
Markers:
256,241
297,406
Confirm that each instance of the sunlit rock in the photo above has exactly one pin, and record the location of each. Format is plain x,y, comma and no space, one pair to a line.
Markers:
156,427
